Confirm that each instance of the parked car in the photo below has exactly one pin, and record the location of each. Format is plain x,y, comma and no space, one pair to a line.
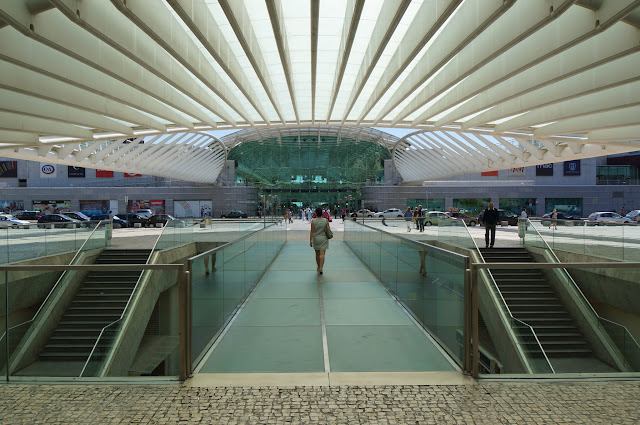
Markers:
468,219
78,216
561,216
133,218
508,216
59,220
28,215
117,221
606,217
361,213
390,212
7,220
235,214
432,218
144,212
164,219
633,215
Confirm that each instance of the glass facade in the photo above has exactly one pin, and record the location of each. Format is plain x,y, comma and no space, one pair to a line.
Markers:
569,206
299,171
471,206
515,205
435,204
616,174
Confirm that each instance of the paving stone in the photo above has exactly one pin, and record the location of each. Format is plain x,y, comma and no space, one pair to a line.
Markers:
485,403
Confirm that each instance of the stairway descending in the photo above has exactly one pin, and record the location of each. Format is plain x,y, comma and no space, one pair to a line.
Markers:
532,300
100,301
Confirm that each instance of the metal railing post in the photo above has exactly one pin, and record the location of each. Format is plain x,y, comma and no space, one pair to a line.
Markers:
466,350
474,324
189,335
182,324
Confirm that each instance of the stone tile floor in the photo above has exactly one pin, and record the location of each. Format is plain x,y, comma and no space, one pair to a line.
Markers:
484,403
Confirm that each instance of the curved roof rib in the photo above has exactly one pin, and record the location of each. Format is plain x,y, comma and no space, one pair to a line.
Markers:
561,70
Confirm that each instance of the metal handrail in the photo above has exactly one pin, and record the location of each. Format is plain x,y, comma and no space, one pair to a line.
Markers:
91,267
126,307
61,277
212,250
411,240
595,316
504,302
584,299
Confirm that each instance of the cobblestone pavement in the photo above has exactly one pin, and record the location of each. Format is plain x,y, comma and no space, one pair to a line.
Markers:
485,403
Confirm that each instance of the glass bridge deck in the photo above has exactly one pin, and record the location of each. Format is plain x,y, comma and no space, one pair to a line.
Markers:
297,321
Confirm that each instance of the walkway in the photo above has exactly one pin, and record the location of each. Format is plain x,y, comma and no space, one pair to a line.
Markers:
297,321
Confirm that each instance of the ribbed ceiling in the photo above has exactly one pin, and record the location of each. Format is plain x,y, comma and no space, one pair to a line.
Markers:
85,70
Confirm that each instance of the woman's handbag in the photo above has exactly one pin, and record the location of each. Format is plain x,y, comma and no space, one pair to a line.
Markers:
328,232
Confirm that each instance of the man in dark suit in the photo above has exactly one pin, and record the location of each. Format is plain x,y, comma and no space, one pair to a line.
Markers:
490,218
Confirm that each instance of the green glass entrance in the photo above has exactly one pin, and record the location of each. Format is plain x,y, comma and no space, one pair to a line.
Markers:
309,170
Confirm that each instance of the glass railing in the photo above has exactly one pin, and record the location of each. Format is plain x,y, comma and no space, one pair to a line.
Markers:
429,281
38,280
221,279
101,349
623,340
41,240
615,241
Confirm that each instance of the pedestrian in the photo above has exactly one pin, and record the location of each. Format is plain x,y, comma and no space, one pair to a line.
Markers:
408,216
415,218
523,214
490,218
319,237
309,214
343,213
420,218
554,221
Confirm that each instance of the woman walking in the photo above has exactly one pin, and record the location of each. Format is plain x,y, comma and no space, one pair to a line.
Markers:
408,217
318,238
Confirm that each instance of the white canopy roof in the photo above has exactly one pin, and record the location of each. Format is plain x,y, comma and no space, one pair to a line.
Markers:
560,72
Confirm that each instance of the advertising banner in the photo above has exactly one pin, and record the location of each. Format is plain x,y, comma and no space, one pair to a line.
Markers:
192,209
94,207
48,171
516,172
75,171
572,168
52,207
10,206
8,169
104,173
489,173
544,170
155,205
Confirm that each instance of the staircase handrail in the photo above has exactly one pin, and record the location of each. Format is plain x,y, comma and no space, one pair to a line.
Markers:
75,257
492,282
126,307
56,286
594,316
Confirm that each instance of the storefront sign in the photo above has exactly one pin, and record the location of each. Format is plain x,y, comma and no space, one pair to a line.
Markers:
516,172
544,170
489,173
104,173
572,168
8,169
48,171
75,171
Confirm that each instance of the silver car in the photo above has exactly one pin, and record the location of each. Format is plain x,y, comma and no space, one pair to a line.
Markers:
607,217
7,220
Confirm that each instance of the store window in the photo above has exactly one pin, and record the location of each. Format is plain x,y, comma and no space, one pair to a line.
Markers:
471,206
569,206
435,204
515,205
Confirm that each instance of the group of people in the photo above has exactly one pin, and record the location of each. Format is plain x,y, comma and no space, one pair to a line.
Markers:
416,216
